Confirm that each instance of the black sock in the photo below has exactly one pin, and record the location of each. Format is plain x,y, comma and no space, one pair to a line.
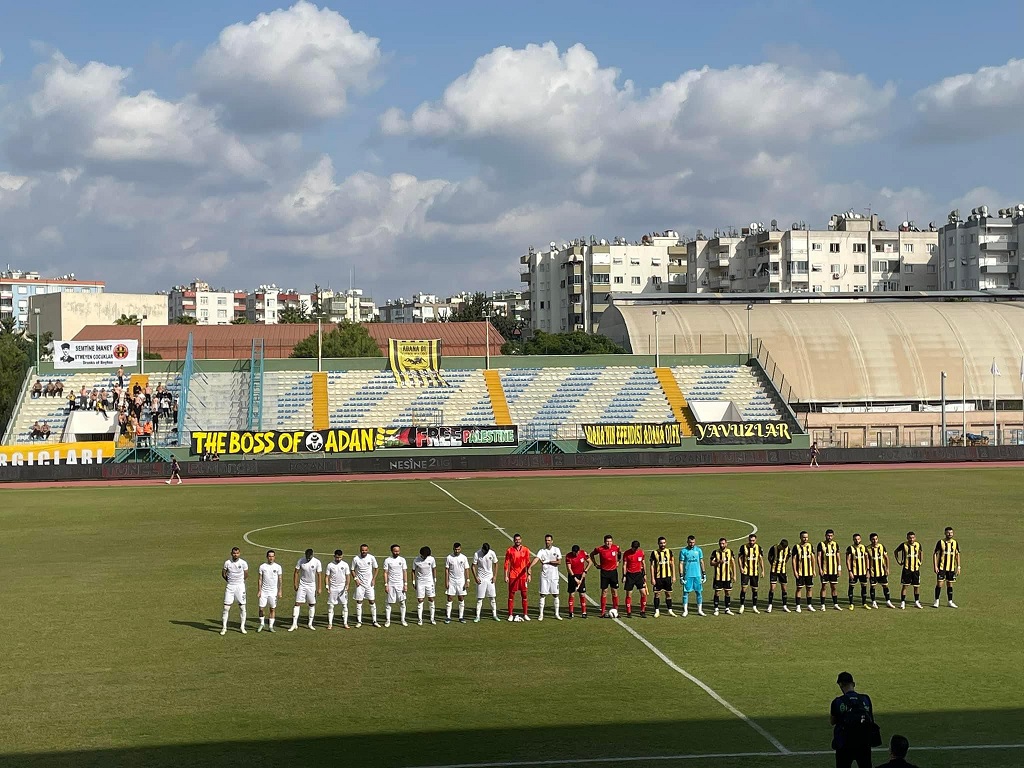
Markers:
728,600
949,593
784,596
863,595
668,603
657,602
835,599
887,594
872,593
743,598
938,592
753,597
810,601
849,593
821,599
771,596
716,602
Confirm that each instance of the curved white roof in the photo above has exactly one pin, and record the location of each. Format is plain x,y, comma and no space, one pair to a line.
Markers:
843,352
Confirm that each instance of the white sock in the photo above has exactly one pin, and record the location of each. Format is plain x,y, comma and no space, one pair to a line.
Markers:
312,610
387,614
433,606
419,611
373,612
272,618
494,606
224,616
241,614
402,611
295,616
359,613
262,619
330,615
448,610
542,599
344,614
479,607
556,606
462,609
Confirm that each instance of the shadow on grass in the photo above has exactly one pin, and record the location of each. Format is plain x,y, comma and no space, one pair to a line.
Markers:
724,743
210,625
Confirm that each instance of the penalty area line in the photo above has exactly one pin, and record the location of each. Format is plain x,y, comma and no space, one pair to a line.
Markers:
648,644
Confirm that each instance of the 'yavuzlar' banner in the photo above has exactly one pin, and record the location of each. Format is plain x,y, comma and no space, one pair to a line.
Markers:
56,453
744,433
666,435
416,363
357,440
70,355
453,437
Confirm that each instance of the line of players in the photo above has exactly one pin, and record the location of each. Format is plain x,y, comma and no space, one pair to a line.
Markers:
864,564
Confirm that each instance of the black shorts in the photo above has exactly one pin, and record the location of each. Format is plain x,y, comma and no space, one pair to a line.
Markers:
911,578
663,584
721,584
578,584
830,578
880,580
751,580
609,579
781,578
947,576
863,579
805,581
636,581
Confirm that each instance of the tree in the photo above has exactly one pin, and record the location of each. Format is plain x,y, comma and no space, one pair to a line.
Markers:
293,315
128,320
240,320
15,355
576,343
347,339
186,320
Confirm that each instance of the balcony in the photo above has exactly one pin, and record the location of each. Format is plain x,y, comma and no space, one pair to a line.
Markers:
1002,246
800,277
525,277
998,269
718,261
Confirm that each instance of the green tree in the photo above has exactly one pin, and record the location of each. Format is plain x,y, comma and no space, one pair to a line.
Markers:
480,307
186,320
240,320
15,355
347,339
576,343
128,320
293,315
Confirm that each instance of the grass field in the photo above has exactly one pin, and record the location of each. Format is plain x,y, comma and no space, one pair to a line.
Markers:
112,654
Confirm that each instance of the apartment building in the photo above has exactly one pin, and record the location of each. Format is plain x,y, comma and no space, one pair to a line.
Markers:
570,286
17,287
422,308
981,253
261,305
856,253
207,305
349,305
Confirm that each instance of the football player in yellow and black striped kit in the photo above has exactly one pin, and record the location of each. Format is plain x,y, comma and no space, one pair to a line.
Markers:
946,560
751,560
879,560
908,555
829,567
857,568
803,570
778,559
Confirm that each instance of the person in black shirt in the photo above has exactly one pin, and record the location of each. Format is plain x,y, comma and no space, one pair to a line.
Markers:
849,713
898,748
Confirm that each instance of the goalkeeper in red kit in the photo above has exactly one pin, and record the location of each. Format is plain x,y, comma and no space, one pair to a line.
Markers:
517,573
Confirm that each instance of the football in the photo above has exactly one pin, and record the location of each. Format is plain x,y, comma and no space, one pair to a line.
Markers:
613,613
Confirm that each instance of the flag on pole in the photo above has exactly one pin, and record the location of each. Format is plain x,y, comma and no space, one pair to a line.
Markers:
995,368
1022,367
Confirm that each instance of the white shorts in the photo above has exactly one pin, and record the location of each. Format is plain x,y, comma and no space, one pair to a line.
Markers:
268,598
456,588
548,584
395,595
425,589
337,597
234,593
306,594
485,589
365,593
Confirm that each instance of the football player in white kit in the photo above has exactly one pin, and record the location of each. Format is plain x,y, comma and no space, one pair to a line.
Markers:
269,587
364,571
234,573
309,582
338,573
485,568
424,569
455,567
396,583
550,557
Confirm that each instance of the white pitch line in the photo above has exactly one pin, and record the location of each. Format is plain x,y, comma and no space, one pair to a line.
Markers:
650,646
704,756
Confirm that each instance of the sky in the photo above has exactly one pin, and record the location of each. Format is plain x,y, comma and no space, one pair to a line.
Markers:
423,146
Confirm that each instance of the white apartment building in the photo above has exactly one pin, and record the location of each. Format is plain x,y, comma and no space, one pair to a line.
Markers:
17,287
982,252
206,305
261,305
349,305
422,308
570,286
855,254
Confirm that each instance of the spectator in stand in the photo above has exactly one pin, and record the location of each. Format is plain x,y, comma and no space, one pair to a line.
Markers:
120,377
154,419
51,389
147,432
140,432
122,423
898,748
83,399
58,389
72,402
94,396
101,406
36,432
174,411
37,389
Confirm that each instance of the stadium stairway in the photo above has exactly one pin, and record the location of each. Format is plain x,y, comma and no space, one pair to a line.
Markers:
499,405
321,411
676,400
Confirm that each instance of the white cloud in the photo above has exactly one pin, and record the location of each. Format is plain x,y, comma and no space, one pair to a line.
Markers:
11,183
287,69
988,102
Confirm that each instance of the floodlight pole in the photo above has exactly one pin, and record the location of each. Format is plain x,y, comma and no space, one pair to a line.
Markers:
942,394
36,313
487,341
657,337
142,344
750,339
319,344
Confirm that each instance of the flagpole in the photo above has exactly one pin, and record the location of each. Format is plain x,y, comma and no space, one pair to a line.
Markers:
963,404
995,425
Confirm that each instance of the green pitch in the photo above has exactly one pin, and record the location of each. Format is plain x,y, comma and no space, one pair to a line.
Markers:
112,654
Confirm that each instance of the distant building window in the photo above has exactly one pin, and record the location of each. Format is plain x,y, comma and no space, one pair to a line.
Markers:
908,247
835,269
860,268
601,278
860,247
634,280
222,300
833,247
815,246
833,289
908,267
859,289
879,266
618,279
931,269
204,299
799,267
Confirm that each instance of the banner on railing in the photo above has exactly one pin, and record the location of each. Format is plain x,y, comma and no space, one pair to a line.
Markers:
70,355
416,363
666,435
356,440
743,433
56,453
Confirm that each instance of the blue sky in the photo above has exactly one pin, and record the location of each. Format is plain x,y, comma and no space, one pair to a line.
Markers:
426,145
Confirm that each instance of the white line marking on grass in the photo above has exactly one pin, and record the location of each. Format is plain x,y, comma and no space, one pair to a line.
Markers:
650,646
705,756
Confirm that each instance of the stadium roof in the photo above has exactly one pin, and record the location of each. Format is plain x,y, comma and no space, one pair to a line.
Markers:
848,352
234,342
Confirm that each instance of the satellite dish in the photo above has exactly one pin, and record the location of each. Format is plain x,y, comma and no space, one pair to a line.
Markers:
775,225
